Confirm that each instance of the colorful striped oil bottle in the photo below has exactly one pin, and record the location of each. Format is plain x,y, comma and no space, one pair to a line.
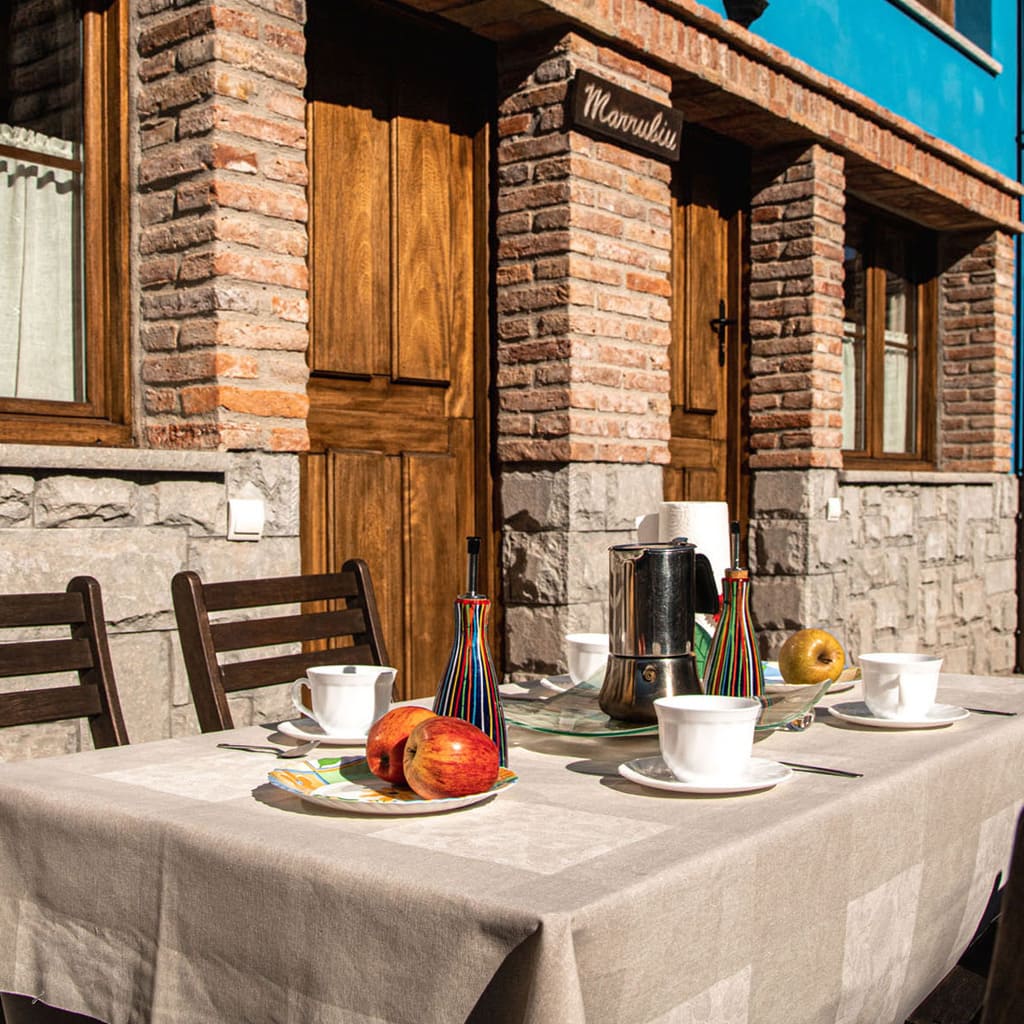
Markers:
733,668
469,688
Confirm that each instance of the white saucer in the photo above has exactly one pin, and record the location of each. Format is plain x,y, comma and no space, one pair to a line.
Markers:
856,711
652,771
307,729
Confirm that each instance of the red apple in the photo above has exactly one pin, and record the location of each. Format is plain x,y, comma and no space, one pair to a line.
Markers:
446,756
385,742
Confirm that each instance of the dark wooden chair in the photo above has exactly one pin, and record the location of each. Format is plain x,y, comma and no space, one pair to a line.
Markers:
1004,993
348,616
86,652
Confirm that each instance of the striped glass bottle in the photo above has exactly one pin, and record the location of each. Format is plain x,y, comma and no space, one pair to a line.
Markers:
733,668
469,688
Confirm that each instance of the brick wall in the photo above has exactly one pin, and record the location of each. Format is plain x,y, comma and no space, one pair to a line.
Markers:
796,309
584,241
222,211
976,345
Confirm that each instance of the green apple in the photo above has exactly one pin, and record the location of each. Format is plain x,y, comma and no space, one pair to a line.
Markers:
811,656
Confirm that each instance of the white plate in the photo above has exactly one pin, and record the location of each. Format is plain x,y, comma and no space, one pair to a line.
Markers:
652,771
773,680
347,784
857,712
307,729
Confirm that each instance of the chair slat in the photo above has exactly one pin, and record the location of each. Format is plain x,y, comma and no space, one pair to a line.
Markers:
286,668
50,705
41,609
83,650
279,590
286,629
44,656
316,628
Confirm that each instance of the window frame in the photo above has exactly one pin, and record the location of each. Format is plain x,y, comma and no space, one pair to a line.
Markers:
923,278
104,418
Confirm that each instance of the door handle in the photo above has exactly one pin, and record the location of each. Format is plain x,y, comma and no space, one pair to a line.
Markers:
718,325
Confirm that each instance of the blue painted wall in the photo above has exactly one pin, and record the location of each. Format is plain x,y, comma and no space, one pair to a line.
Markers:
878,49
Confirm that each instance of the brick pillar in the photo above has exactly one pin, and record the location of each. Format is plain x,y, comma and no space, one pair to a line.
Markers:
583,313
796,324
796,310
976,354
222,210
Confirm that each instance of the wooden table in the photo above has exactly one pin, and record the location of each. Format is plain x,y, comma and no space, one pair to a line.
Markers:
168,882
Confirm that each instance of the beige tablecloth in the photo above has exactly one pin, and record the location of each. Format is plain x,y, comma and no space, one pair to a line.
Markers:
168,882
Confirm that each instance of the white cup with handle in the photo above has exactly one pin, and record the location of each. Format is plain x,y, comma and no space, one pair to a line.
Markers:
587,656
706,737
899,686
347,699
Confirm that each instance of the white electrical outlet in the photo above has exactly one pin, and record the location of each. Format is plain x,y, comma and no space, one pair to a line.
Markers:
834,508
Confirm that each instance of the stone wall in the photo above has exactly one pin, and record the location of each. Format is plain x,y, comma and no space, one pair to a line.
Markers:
914,561
558,523
133,519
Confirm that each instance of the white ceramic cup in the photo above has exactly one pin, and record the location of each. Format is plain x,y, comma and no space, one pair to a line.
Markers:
704,736
347,699
587,655
899,686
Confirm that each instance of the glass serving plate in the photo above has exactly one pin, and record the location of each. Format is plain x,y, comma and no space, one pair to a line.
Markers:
576,712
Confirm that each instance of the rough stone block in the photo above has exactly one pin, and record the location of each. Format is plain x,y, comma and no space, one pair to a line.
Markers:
778,602
1001,540
588,496
781,493
929,605
85,501
536,639
588,566
536,567
999,577
199,505
828,545
134,566
217,559
860,628
900,517
144,682
956,659
533,500
890,607
781,547
934,541
633,491
16,500
46,739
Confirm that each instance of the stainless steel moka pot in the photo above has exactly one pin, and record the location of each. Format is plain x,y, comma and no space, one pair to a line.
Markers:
653,592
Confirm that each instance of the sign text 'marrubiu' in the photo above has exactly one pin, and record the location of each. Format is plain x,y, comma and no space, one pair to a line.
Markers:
622,115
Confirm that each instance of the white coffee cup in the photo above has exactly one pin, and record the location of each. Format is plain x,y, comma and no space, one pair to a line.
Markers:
347,699
899,686
705,736
587,656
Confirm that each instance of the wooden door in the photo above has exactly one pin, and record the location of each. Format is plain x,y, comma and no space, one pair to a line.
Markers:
708,354
398,471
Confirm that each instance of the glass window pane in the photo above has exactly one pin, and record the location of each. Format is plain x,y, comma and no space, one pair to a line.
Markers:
854,337
899,434
41,184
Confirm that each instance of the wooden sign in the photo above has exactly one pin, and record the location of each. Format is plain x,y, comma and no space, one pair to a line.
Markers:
621,115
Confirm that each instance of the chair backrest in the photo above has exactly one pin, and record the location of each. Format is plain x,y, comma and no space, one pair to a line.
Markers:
1004,994
86,652
349,615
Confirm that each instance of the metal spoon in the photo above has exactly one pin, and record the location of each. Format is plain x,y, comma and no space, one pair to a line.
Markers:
300,751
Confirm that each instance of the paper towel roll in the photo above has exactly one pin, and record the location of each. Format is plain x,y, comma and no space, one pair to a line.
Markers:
704,524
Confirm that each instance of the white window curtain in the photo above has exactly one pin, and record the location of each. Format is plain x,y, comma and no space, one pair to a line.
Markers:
40,246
